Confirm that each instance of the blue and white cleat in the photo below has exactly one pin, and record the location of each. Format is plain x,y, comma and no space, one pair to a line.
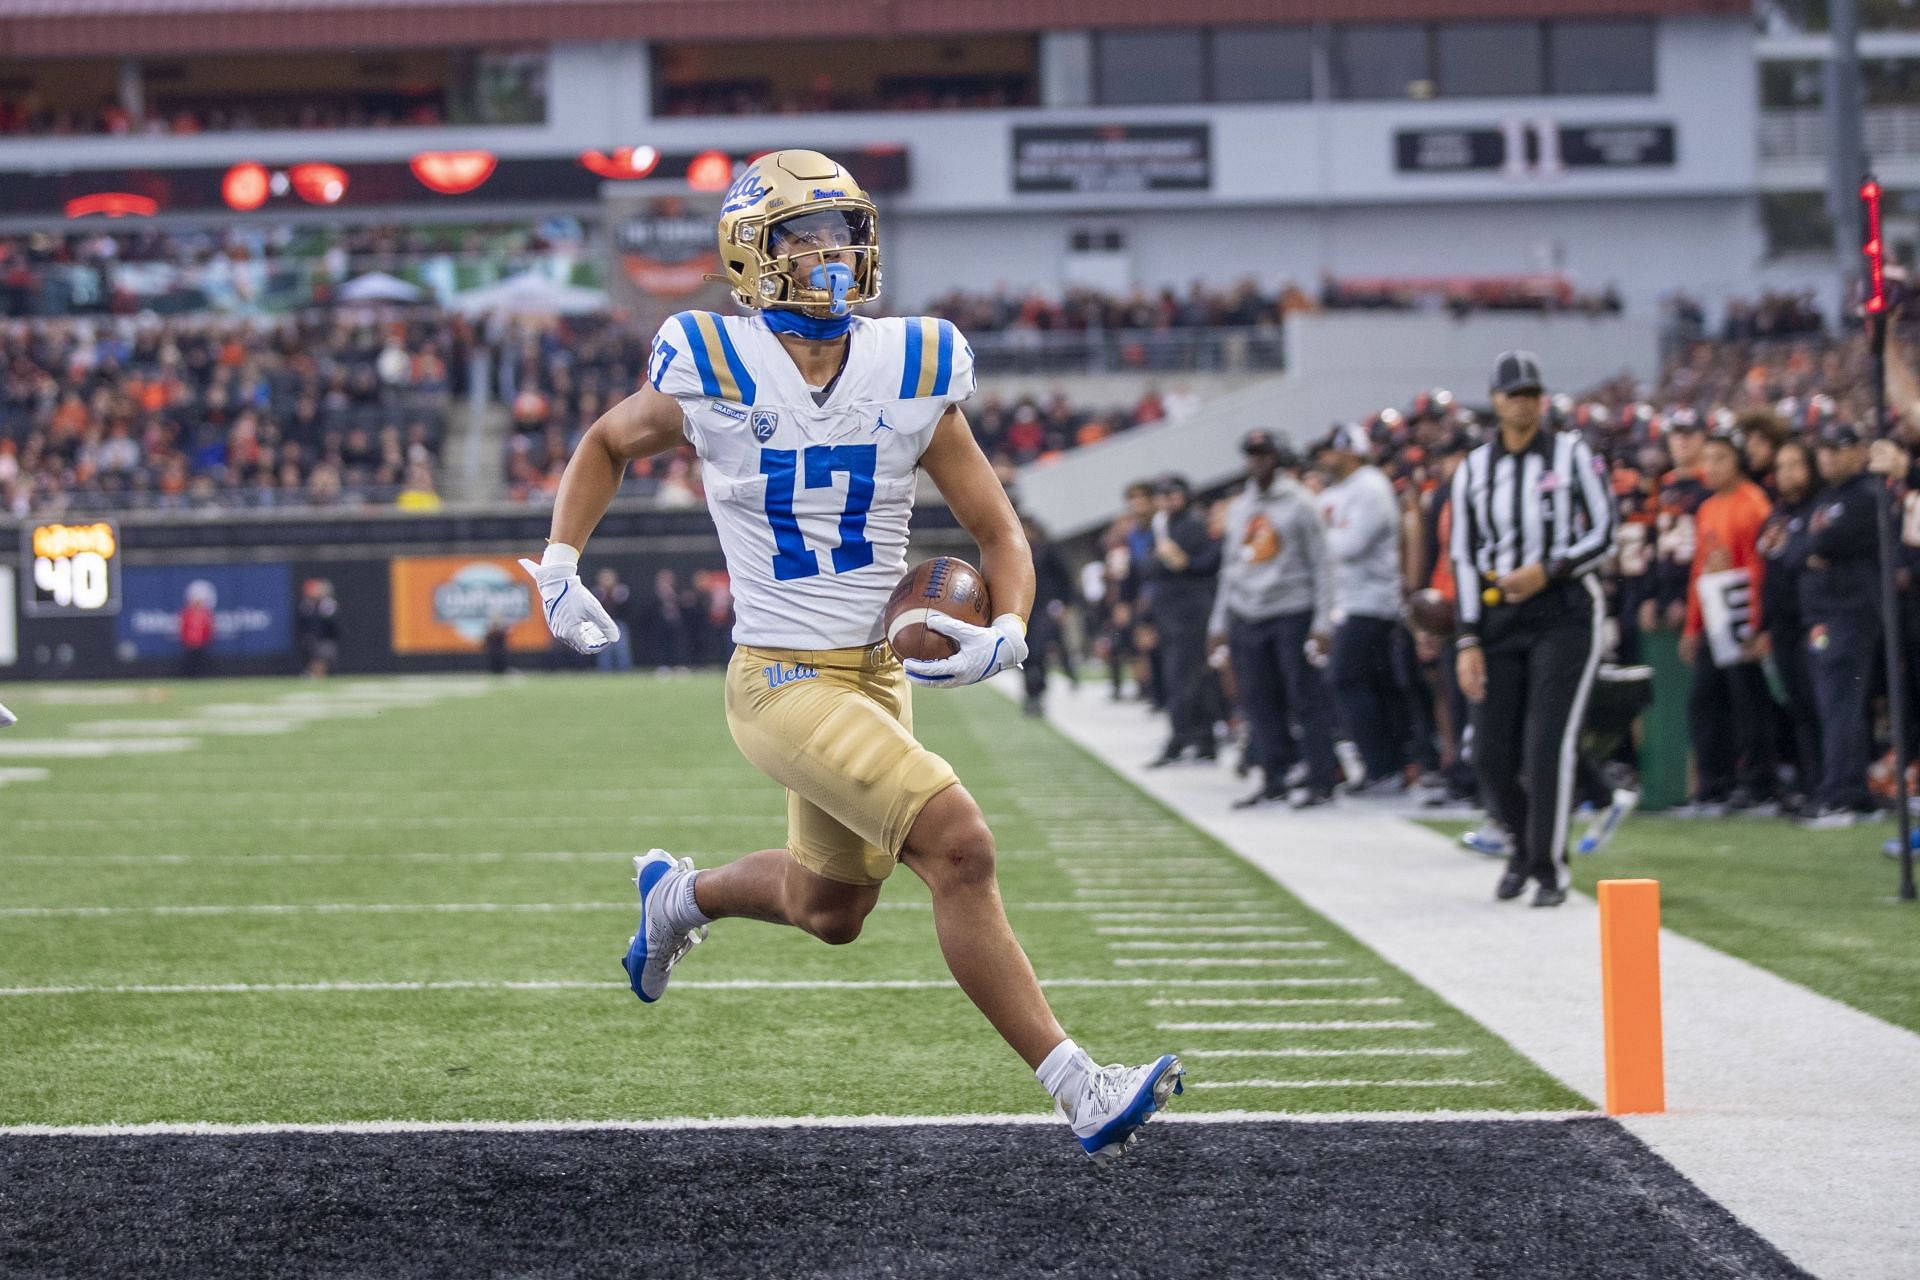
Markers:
1490,839
1113,1102
1603,826
657,947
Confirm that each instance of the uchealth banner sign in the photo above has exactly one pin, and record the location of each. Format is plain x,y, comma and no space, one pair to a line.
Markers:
445,604
252,608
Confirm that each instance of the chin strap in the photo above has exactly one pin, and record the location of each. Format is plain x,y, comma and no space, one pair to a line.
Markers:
817,328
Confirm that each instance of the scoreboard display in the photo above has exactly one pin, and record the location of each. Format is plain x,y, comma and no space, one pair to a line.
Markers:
70,570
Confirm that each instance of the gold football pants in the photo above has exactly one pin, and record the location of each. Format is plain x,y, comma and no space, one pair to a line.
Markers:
835,728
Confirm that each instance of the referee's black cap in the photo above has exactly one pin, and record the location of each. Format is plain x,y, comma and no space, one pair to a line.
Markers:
1517,371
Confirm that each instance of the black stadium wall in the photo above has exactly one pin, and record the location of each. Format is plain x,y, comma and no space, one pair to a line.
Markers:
413,591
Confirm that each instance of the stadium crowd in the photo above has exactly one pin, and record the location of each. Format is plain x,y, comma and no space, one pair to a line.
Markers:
1248,304
1755,507
211,413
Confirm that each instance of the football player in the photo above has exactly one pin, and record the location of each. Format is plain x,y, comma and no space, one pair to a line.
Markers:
810,423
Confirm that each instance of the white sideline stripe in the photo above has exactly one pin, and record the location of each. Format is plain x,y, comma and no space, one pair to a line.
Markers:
1345,1084
1256,944
1350,1001
726,984
1331,1024
1242,962
1205,929
211,1129
1324,1053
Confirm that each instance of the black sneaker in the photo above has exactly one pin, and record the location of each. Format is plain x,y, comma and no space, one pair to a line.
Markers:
1510,886
1265,795
1313,798
1549,895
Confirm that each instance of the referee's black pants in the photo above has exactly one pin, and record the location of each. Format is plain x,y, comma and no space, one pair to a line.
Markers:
1540,670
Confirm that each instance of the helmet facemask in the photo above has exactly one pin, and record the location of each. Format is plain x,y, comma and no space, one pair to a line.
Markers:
822,262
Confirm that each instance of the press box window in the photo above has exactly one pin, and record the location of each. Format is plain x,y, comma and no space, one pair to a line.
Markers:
1387,60
1489,59
1262,64
1601,56
1167,65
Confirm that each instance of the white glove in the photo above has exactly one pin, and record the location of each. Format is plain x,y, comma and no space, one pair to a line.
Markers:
574,616
984,651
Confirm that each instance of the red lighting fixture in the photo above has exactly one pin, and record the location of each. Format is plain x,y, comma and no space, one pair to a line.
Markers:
1875,248
710,171
245,187
622,164
112,204
452,173
318,183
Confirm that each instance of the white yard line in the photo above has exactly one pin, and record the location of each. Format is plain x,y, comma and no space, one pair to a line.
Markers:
1325,1053
1796,1112
83,749
1346,1084
1204,930
1251,944
1177,917
1329,1024
683,984
1223,962
687,1123
23,774
1280,1002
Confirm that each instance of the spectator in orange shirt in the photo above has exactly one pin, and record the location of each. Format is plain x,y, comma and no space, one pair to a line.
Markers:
1729,708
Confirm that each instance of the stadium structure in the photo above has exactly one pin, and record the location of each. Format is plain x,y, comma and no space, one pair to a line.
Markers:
308,968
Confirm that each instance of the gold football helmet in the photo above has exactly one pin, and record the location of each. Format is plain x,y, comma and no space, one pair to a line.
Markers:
779,220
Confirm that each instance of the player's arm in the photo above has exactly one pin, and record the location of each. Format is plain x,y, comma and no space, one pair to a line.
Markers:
645,423
979,502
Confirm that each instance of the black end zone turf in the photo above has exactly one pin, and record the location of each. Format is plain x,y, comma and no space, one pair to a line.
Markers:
1514,1198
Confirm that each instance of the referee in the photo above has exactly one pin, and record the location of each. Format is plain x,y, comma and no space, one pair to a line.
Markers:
1532,518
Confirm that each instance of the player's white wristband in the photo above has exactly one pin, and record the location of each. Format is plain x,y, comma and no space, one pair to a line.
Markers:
559,553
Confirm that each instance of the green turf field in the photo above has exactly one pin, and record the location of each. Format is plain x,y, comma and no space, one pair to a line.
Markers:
1816,907
479,834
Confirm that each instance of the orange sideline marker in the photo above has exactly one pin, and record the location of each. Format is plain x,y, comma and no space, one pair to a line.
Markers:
1630,993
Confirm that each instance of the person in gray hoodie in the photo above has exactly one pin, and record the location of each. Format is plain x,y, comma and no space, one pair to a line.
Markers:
1363,534
1272,610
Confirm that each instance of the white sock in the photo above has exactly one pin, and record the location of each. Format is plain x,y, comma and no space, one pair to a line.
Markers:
1063,1068
682,911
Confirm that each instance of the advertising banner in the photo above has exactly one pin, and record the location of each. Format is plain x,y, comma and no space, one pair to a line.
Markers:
445,604
9,627
252,608
1090,159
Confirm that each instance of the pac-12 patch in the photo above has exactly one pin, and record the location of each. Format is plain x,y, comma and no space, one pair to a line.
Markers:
765,423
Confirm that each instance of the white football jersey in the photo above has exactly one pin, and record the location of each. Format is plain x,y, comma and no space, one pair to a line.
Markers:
811,500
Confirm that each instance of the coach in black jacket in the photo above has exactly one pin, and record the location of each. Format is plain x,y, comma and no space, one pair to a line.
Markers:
1840,601
1532,518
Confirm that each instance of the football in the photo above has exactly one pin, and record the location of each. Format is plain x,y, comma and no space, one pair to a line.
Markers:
1431,612
943,585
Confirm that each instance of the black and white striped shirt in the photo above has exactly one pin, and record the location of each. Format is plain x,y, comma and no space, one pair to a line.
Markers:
1550,505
